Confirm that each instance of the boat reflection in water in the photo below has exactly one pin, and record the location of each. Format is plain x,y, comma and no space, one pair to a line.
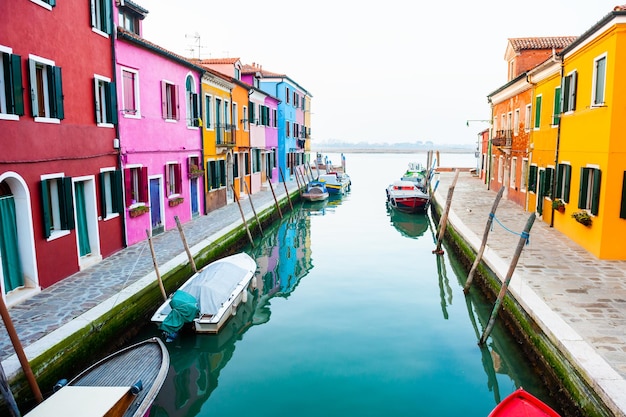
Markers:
409,225
283,259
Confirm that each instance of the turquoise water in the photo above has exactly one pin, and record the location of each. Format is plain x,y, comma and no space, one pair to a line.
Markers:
354,316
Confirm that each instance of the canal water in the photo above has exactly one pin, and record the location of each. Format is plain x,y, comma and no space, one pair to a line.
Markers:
353,316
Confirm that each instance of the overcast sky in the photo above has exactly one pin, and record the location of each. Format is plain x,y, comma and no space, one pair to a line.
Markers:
385,71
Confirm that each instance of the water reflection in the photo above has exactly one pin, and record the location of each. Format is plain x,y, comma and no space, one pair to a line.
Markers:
409,225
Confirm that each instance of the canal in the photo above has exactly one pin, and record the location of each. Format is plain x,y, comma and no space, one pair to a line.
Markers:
354,315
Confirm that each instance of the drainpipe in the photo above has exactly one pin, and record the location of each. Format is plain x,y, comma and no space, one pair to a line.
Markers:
558,142
489,162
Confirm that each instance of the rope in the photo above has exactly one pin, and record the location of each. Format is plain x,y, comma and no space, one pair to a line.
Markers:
523,234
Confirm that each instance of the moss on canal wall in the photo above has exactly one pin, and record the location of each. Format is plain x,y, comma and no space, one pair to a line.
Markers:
567,387
112,330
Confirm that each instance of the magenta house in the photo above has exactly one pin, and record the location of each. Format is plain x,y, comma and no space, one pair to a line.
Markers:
60,180
159,130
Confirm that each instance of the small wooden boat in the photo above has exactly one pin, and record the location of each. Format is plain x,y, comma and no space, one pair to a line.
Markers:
521,403
209,298
315,191
407,197
123,384
336,182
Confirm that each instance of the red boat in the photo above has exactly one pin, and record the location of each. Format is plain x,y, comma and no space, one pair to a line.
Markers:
407,197
522,404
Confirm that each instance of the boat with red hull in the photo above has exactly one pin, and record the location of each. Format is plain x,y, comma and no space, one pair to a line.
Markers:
407,197
521,403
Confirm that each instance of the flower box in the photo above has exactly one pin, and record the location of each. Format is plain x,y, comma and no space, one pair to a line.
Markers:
558,205
173,202
582,217
138,211
195,171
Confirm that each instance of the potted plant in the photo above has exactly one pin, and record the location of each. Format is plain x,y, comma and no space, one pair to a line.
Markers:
558,205
582,217
138,210
172,202
195,171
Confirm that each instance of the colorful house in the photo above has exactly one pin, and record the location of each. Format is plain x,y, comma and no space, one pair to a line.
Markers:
159,130
591,151
512,111
60,179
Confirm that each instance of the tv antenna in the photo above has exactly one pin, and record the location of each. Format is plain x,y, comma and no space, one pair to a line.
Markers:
197,44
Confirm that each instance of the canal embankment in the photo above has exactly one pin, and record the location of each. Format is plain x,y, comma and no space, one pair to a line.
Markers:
63,326
566,307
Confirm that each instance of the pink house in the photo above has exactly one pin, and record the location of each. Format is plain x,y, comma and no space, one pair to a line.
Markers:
160,137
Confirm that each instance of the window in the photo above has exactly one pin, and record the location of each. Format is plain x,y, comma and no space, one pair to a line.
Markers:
208,112
192,102
46,89
129,21
546,185
556,113
563,179
246,163
216,174
569,92
501,170
589,192
237,74
169,101
11,91
106,101
101,15
516,122
537,111
524,177
130,93
275,117
513,179
227,125
599,80
57,206
256,160
527,117
287,94
251,114
244,121
136,185
111,202
235,116
173,179
288,128
236,165
48,4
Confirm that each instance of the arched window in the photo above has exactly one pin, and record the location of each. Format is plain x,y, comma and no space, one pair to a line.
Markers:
193,114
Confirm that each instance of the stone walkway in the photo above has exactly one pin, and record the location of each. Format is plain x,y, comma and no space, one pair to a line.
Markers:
578,300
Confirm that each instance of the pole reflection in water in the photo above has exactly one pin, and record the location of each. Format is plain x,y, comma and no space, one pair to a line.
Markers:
353,315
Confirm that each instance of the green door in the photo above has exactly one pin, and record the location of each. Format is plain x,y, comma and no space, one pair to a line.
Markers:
9,251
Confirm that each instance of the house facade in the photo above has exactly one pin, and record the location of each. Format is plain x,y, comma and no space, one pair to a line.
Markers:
160,134
60,177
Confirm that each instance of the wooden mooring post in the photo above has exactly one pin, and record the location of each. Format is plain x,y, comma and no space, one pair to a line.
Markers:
243,217
5,390
295,174
280,213
444,217
253,210
155,264
479,255
182,237
282,177
505,285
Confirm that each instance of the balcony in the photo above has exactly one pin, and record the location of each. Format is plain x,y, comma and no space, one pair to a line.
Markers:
502,138
225,135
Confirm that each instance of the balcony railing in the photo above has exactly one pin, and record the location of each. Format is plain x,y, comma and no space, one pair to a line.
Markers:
502,138
225,135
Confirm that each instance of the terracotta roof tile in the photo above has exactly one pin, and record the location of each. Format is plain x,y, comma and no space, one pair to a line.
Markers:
556,42
619,8
217,61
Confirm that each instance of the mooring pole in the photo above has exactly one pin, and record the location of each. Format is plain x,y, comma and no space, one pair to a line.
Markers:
253,210
5,390
182,237
444,217
295,171
479,255
156,265
280,213
285,184
17,346
243,217
505,285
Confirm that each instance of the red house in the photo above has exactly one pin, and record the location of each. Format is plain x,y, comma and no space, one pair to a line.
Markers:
60,183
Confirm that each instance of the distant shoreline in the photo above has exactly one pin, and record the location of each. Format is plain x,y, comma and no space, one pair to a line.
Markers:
391,150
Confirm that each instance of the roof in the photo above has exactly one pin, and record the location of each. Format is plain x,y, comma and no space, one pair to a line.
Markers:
258,69
617,12
134,6
217,61
547,42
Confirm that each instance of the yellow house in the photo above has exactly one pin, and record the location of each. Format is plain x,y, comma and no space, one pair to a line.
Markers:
218,141
591,171
543,118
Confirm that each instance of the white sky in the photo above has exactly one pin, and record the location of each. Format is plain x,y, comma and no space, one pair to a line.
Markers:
386,71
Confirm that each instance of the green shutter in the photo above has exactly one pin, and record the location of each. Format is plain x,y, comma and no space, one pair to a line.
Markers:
103,199
45,208
32,79
567,179
537,111
111,99
595,197
541,193
194,109
557,106
547,187
532,178
559,181
116,191
66,203
582,191
17,93
573,87
106,6
57,93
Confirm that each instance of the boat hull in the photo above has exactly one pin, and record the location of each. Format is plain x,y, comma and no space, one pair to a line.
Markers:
521,403
407,197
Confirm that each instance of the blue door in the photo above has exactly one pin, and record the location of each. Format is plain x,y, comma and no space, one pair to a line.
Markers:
194,197
155,206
